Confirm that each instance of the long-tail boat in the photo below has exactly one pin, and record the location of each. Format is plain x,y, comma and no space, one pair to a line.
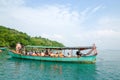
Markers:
3,49
58,54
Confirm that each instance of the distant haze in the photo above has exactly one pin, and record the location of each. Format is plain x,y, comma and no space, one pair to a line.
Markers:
71,22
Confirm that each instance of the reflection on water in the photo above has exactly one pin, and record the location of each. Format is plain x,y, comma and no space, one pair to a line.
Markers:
53,70
106,68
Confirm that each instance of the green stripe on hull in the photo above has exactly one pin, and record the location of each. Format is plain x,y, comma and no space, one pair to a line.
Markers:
83,59
3,48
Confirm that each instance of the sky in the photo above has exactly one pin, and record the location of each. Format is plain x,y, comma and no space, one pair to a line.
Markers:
71,22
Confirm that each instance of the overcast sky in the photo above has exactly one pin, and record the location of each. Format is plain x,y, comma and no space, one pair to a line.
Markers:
71,22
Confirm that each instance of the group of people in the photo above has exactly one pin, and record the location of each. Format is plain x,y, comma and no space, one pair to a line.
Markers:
50,53
46,53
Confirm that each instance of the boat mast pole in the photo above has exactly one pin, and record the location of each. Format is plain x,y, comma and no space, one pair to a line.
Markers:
71,52
64,51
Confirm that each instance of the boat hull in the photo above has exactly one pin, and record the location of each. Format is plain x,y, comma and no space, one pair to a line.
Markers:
83,59
3,48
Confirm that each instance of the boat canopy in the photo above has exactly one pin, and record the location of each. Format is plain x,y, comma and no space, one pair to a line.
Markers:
61,48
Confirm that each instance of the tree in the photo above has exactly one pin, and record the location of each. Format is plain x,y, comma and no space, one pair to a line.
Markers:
9,38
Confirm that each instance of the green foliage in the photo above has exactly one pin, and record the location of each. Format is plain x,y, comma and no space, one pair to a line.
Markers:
44,42
9,38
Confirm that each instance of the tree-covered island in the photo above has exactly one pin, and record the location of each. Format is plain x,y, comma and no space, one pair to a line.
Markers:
9,37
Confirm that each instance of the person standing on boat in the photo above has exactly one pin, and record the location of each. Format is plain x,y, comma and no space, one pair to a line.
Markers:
18,47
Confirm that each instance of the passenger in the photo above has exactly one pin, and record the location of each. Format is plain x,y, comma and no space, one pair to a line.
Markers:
56,55
46,53
61,54
34,54
39,54
30,53
78,53
69,54
24,52
18,48
42,54
51,54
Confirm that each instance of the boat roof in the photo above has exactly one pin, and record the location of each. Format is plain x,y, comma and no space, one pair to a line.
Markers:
61,48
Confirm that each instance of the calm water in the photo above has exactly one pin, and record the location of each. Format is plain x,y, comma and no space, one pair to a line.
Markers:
107,67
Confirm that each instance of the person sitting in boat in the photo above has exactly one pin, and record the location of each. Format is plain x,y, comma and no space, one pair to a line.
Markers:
61,54
30,53
56,55
39,53
42,54
78,53
46,53
18,47
69,54
51,54
34,53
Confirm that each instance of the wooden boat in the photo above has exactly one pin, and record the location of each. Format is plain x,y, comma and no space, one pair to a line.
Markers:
86,58
3,49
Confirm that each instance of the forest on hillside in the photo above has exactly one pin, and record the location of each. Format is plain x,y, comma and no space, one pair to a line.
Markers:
9,37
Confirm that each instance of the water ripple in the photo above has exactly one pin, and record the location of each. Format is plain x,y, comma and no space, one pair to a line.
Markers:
106,68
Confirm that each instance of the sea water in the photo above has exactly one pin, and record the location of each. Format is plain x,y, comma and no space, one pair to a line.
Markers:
107,67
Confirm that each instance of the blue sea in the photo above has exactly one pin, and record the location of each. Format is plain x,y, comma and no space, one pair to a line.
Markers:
107,67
